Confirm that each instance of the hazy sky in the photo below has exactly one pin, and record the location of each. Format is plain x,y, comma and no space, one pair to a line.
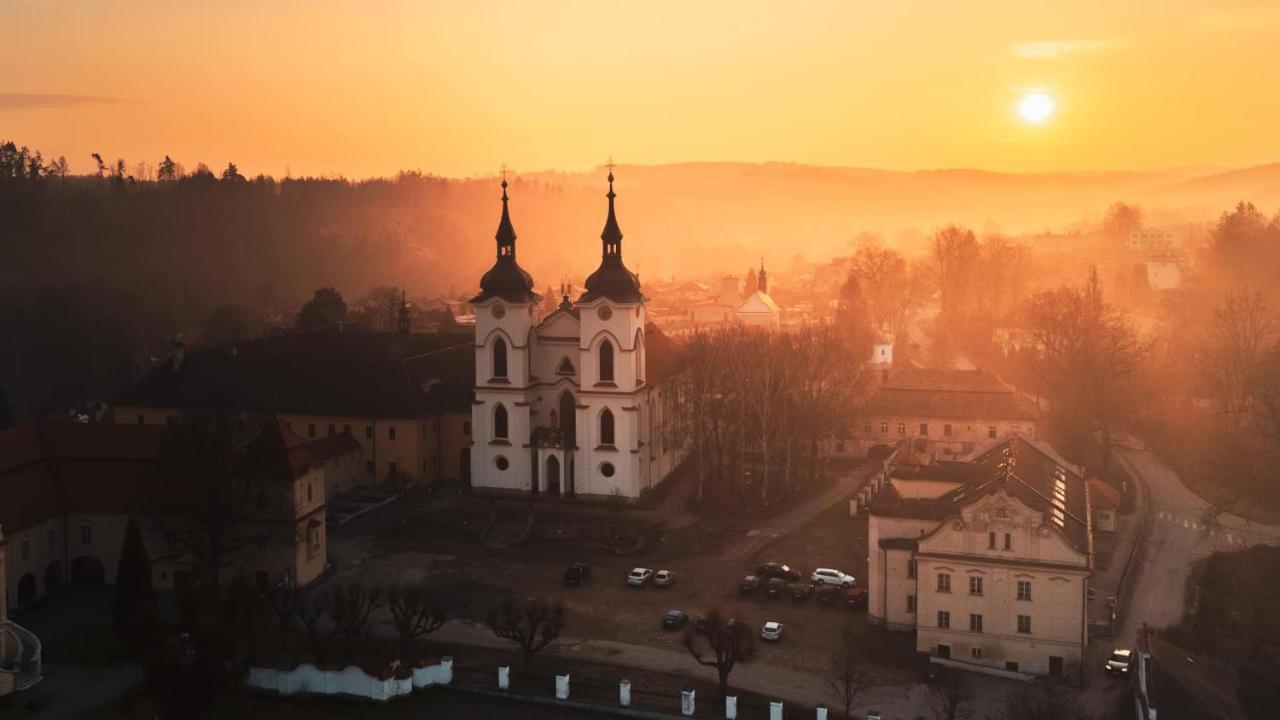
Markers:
457,88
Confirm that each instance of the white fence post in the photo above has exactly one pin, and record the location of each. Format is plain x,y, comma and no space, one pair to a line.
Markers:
624,693
686,703
562,687
822,712
446,670
504,677
731,707
775,711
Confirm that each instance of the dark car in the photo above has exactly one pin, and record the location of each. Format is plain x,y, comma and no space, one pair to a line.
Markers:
577,574
700,625
749,584
855,597
674,620
781,571
776,587
827,594
801,591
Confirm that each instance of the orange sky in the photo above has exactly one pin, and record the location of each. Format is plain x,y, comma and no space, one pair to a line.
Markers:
457,88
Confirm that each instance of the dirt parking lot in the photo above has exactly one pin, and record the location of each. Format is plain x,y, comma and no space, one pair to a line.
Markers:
607,608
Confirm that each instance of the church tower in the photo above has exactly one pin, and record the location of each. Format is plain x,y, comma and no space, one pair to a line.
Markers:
500,416
611,366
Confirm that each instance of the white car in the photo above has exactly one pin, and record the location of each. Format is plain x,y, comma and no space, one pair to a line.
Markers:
640,576
772,631
1119,662
828,576
664,578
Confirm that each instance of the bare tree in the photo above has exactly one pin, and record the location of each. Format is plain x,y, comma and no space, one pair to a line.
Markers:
415,612
951,697
847,676
350,606
1121,221
1042,701
1243,327
283,599
721,644
532,623
311,611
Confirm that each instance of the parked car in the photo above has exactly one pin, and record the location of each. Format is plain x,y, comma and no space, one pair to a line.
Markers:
639,577
827,594
664,578
801,591
775,587
749,584
674,620
772,631
1119,662
577,574
873,715
830,576
855,597
781,571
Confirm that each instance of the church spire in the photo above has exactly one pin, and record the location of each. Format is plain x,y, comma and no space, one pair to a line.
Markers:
506,279
611,237
506,235
762,280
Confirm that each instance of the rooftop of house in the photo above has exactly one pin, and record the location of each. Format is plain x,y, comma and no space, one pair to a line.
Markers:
53,468
340,374
1032,478
948,394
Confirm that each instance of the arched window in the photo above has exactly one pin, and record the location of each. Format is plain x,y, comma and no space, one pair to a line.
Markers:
606,427
499,358
606,361
640,357
500,423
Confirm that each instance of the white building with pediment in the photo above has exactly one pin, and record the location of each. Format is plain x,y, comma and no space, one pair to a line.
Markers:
576,402
987,560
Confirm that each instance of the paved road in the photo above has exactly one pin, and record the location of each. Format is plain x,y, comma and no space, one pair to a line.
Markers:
1182,529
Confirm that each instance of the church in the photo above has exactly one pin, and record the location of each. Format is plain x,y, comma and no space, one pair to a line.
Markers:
577,402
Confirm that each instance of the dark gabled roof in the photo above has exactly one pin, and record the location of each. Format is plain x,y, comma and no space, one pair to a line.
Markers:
1031,480
341,374
948,394
663,356
946,470
331,446
899,544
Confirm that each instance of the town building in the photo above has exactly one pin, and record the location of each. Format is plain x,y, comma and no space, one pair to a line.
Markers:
953,410
69,490
21,662
758,309
403,397
987,560
576,403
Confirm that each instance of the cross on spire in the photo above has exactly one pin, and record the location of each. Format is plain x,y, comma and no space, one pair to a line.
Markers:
504,172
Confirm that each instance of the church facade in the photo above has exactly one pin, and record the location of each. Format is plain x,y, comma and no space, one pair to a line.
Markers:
577,402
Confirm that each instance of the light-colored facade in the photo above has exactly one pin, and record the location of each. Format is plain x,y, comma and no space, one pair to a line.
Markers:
21,661
567,404
955,411
988,571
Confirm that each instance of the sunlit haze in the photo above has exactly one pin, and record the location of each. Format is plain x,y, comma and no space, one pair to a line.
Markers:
370,88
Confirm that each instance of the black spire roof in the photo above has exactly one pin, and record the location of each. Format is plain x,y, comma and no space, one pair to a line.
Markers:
612,280
506,279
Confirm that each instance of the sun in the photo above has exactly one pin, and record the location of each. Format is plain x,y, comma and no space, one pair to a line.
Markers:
1035,107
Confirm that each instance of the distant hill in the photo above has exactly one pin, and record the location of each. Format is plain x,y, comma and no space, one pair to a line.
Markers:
730,214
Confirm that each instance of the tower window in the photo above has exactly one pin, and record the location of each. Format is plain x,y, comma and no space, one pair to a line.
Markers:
606,361
500,423
606,427
499,358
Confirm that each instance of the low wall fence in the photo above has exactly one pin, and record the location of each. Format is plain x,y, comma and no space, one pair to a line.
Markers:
351,681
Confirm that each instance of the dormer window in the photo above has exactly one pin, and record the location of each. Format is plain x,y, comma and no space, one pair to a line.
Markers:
499,358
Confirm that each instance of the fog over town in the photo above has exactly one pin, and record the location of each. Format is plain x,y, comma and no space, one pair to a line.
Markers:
792,410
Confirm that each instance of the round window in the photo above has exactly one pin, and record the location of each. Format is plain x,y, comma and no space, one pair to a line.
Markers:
607,470
605,312
501,462
499,311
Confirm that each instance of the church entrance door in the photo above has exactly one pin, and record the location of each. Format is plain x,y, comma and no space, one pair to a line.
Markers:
553,475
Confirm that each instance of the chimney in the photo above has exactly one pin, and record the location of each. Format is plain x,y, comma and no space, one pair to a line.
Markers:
179,351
